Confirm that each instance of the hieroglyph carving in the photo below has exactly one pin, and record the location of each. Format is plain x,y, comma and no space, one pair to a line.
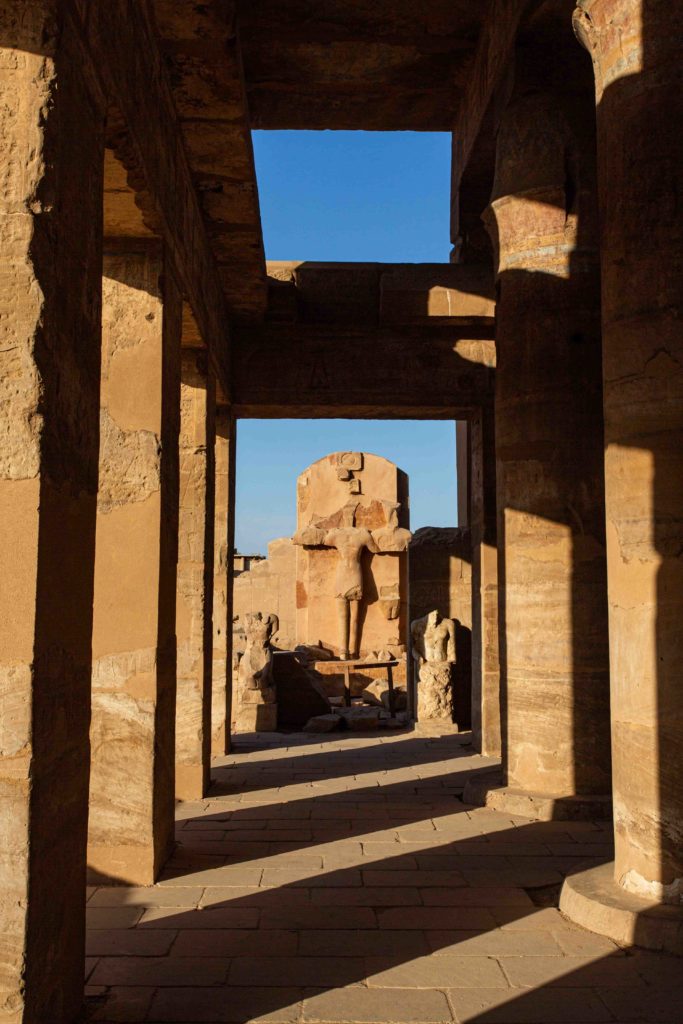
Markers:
350,541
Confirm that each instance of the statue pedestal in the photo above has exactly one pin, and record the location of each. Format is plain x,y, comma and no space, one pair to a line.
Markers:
435,694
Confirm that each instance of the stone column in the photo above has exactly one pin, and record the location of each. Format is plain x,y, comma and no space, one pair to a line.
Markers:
134,660
51,126
462,465
194,626
553,619
224,544
635,48
485,664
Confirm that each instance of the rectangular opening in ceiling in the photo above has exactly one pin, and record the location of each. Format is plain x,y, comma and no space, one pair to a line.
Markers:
272,453
334,196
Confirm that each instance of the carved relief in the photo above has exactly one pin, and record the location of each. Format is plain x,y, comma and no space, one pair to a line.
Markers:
350,540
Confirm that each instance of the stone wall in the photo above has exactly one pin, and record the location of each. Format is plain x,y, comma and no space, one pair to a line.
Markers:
269,587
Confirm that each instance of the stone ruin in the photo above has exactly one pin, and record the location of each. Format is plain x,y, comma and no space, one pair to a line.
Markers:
352,491
341,584
338,590
256,708
434,652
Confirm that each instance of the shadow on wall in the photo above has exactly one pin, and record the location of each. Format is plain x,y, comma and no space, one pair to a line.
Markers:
643,434
549,432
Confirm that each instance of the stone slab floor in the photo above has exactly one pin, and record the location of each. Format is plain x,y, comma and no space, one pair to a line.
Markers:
342,879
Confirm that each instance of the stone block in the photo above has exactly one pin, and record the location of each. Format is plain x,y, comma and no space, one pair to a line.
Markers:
323,723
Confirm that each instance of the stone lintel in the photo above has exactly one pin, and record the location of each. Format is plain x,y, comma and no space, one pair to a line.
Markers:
380,293
322,370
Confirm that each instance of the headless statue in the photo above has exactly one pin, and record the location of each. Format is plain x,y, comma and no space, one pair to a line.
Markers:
255,667
350,541
433,638
435,653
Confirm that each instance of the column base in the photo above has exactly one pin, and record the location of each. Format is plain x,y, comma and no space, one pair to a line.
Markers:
220,742
191,781
125,865
434,727
487,790
593,899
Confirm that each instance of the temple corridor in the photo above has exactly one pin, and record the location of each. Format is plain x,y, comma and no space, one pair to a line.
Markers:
437,876
345,880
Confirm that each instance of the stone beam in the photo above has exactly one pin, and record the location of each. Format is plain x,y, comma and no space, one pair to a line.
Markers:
368,294
384,65
334,370
202,51
122,40
493,53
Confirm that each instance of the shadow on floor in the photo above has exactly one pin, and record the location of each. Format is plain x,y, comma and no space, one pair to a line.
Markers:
385,899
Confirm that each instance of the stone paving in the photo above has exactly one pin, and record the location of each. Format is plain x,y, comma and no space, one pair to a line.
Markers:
343,880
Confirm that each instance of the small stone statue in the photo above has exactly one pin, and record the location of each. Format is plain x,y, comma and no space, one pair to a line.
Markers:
435,654
257,710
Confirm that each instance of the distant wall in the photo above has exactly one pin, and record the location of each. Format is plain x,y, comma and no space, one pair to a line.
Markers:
267,587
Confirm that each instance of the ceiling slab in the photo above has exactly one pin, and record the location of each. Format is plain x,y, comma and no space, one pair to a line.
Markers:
358,64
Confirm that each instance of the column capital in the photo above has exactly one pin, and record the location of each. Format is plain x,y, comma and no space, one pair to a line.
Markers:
612,33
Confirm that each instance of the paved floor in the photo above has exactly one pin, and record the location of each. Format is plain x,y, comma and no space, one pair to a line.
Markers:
342,879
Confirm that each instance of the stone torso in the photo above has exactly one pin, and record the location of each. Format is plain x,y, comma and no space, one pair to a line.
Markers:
349,543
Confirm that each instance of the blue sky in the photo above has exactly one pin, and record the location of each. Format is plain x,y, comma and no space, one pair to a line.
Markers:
272,453
360,196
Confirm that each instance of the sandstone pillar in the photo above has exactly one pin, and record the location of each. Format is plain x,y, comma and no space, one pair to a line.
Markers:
462,465
224,543
134,660
485,664
51,126
194,625
635,48
553,620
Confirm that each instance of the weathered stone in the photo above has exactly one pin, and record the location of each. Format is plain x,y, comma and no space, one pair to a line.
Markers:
131,820
441,578
360,719
223,597
299,692
50,302
268,586
194,625
323,723
435,692
373,67
434,652
255,685
549,452
377,694
636,59
485,703
340,540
